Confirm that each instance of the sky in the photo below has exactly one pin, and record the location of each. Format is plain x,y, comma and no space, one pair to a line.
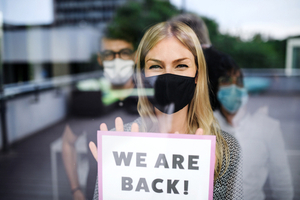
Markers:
277,19
27,12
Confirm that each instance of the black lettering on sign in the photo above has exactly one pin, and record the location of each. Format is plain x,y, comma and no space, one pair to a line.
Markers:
154,183
140,159
193,162
172,186
161,161
127,183
177,161
122,157
142,185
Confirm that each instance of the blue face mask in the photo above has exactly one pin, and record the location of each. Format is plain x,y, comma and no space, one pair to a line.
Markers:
232,97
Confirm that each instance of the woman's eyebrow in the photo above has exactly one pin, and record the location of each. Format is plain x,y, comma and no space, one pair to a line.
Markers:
180,59
154,60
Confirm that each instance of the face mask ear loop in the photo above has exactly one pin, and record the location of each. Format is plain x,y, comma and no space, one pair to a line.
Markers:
196,76
143,78
143,72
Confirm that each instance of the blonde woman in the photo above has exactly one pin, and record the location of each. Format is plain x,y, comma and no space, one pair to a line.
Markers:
170,60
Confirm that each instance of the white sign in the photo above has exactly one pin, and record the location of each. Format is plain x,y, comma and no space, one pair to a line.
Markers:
134,166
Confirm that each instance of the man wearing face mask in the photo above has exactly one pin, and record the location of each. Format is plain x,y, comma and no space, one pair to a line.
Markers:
118,94
116,57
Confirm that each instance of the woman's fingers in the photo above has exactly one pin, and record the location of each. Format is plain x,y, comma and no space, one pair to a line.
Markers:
119,127
103,127
93,149
119,124
134,127
92,145
199,131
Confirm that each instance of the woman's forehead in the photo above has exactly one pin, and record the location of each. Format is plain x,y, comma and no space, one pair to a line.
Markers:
169,48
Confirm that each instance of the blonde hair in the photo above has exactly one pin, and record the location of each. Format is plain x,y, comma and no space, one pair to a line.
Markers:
200,114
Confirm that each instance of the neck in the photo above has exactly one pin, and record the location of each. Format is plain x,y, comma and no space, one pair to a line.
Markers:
228,116
128,85
176,122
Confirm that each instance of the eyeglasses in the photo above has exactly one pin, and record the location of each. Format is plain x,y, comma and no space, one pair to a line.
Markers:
228,80
125,54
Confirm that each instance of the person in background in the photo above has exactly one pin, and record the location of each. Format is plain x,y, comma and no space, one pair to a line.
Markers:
259,135
117,87
117,58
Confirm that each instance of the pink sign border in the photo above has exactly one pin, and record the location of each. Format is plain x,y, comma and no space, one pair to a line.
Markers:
157,135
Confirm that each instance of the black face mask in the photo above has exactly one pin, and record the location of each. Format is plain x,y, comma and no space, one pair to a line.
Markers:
171,92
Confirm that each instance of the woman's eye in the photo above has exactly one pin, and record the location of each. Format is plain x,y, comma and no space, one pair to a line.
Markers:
155,67
182,66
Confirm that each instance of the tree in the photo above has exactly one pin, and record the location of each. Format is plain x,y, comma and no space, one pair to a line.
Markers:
255,53
133,19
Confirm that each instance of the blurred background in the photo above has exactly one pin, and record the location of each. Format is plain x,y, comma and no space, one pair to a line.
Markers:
48,47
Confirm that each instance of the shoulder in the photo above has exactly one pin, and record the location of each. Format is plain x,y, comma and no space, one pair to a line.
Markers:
235,157
229,184
235,152
230,139
261,117
233,144
264,126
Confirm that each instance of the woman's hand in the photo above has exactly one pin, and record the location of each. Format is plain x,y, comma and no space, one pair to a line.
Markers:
119,127
199,131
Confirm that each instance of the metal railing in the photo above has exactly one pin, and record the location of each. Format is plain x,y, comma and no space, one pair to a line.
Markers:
10,91
16,89
271,72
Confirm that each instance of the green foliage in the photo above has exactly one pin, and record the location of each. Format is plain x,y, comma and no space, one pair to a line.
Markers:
134,18
255,53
